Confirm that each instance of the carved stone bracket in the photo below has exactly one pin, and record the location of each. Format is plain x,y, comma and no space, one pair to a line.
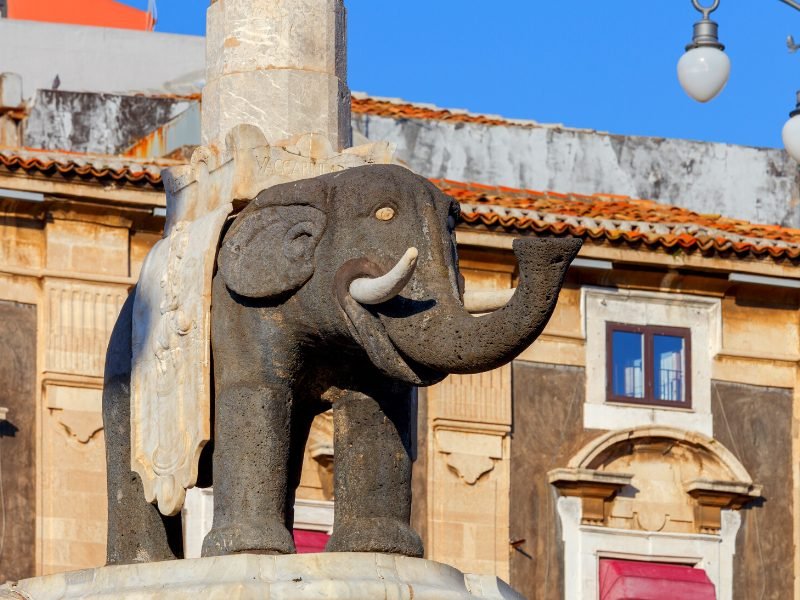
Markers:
715,496
77,410
470,453
596,489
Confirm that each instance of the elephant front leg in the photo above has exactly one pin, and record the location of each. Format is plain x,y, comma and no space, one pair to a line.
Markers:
372,473
251,460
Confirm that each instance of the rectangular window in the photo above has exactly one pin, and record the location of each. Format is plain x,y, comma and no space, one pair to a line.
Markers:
649,365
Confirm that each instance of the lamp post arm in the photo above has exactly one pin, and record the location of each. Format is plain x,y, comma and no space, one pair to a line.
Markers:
793,3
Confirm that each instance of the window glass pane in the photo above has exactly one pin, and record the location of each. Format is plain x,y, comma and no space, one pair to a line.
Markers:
627,349
670,367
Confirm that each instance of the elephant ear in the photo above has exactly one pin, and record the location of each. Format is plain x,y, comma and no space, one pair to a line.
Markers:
269,250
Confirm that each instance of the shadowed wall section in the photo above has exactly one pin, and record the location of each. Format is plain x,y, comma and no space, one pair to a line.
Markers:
548,430
17,470
755,423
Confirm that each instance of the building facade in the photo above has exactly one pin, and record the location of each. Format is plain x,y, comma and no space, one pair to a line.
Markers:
652,426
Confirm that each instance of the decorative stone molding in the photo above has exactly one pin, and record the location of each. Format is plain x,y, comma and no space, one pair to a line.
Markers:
313,515
596,489
77,410
470,453
594,452
481,398
715,496
679,504
80,317
584,545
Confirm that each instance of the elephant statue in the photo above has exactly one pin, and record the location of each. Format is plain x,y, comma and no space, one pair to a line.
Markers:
339,291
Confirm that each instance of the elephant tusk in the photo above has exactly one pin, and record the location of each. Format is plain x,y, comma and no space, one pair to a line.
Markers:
484,301
380,289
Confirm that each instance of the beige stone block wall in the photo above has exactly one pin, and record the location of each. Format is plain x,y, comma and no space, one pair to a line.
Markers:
73,490
469,418
140,244
760,327
77,316
468,522
75,267
82,247
21,241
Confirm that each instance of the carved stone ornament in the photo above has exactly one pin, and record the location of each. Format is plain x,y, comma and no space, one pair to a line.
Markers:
171,374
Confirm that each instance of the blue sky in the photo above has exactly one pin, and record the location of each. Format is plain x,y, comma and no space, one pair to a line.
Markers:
607,65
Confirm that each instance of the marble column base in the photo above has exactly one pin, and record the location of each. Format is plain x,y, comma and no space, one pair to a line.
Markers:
327,576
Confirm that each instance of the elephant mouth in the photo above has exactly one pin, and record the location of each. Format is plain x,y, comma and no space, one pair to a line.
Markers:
369,332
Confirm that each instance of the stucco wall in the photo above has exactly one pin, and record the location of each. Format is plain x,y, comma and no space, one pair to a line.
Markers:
18,394
760,185
755,423
95,123
548,430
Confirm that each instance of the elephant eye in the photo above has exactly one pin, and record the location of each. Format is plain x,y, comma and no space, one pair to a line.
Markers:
385,214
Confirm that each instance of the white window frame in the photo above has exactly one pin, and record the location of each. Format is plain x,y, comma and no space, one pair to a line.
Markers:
701,315
585,545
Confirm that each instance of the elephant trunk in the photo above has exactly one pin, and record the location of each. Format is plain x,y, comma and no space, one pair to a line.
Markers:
445,337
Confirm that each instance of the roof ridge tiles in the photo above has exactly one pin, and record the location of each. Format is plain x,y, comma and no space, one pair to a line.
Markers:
613,217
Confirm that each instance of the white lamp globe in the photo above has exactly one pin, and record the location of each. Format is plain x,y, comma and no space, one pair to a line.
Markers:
791,137
703,72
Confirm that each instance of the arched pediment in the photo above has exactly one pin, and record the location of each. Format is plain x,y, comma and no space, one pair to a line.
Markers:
656,479
594,454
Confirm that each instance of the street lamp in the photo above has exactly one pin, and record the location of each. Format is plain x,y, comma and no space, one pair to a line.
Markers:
704,69
791,130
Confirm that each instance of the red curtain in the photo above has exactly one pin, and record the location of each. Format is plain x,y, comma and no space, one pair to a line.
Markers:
633,580
310,542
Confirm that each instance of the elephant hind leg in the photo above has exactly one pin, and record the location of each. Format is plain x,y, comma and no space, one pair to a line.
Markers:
137,531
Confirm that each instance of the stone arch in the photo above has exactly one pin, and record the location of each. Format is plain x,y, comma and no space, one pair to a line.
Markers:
596,451
656,478
651,493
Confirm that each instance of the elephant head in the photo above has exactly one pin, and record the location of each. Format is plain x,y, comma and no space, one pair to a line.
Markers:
369,254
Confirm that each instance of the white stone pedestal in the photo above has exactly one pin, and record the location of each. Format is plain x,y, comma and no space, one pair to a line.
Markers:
329,576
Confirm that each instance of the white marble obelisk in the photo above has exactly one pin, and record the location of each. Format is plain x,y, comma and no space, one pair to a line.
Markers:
280,65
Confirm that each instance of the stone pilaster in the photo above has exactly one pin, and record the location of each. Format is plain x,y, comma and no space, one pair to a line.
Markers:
469,472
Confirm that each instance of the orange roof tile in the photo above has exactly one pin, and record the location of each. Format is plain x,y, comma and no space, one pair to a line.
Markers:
402,110
395,108
90,166
605,218
618,219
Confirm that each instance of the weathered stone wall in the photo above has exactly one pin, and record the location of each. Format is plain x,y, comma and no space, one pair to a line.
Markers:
755,423
95,123
548,430
17,440
761,185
